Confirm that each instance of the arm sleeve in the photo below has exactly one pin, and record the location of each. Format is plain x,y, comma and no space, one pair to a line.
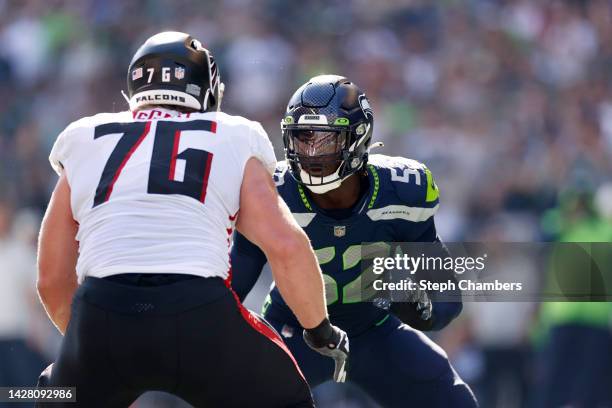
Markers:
442,312
247,262
426,197
59,154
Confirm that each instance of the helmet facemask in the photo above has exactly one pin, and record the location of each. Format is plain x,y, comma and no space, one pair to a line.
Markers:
321,157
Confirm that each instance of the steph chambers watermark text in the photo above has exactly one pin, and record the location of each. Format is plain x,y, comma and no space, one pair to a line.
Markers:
448,286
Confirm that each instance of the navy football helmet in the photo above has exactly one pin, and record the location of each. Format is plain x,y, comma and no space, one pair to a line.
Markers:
327,130
173,68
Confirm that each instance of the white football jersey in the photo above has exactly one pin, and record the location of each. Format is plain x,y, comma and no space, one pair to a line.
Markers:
157,191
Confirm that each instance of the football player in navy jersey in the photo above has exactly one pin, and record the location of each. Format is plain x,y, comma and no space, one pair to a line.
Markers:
342,196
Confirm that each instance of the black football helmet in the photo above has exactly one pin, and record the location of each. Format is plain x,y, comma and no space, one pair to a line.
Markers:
173,68
327,130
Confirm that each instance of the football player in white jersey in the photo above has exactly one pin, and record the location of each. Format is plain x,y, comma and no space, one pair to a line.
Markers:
133,254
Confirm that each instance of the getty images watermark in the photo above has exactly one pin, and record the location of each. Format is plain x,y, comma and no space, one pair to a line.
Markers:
455,266
487,271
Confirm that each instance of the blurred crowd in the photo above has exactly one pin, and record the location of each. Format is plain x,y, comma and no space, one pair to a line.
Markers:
509,103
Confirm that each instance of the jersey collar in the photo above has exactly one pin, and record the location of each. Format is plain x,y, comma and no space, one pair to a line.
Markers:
157,112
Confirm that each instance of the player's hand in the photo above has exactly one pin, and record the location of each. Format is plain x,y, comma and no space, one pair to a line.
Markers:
420,301
330,341
417,299
423,306
413,308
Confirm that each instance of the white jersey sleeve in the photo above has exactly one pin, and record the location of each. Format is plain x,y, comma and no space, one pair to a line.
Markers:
263,148
257,145
157,191
58,154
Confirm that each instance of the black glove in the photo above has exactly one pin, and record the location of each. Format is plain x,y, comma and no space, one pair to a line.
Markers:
414,308
415,315
330,341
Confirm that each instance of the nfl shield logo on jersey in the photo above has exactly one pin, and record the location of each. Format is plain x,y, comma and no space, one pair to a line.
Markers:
179,72
339,231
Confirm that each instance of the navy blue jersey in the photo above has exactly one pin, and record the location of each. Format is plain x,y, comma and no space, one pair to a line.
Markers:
399,205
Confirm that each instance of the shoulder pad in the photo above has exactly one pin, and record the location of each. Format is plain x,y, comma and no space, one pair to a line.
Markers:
233,120
411,180
75,130
100,118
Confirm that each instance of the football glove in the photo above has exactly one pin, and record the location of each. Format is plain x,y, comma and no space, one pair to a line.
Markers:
330,341
413,308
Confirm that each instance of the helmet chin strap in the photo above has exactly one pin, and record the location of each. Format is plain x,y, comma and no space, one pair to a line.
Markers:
221,93
125,97
322,189
325,184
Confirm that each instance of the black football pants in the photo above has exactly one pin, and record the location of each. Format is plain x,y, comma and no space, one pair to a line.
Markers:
175,333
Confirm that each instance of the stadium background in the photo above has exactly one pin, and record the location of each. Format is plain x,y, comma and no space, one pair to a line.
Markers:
509,103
